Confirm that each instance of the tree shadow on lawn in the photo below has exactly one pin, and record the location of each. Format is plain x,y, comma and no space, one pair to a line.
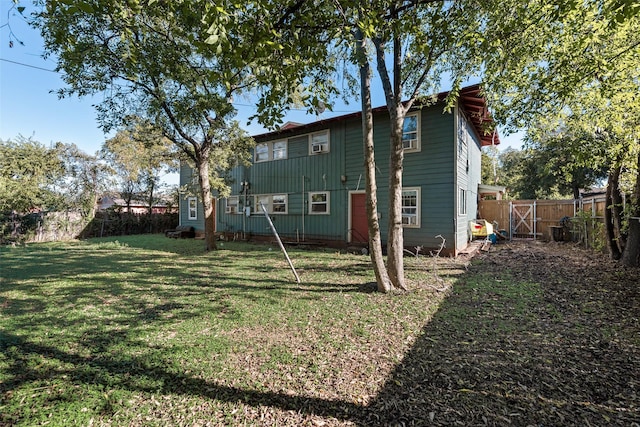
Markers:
503,350
497,352
475,363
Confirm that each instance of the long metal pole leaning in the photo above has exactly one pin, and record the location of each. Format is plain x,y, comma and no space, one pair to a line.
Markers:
275,233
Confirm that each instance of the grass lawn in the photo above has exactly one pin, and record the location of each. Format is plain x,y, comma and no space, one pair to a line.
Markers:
145,330
150,331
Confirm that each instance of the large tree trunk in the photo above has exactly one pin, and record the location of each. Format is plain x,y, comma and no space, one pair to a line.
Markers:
397,113
395,241
575,188
205,189
631,254
617,211
610,213
375,240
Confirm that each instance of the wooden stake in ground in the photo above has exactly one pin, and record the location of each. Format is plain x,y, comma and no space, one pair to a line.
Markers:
275,233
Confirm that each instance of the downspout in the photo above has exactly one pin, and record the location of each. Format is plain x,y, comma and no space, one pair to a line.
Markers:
303,208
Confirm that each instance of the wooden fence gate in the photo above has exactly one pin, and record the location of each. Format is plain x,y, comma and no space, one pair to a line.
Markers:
523,219
535,219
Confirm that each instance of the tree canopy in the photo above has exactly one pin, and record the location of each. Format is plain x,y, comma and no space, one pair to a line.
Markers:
28,171
571,69
180,65
139,155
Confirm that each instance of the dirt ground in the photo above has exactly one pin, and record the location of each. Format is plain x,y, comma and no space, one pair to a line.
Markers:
557,345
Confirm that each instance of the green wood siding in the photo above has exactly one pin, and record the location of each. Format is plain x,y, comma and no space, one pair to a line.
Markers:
430,169
296,176
435,170
468,178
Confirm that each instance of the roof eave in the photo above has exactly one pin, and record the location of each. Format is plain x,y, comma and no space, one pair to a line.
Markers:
471,100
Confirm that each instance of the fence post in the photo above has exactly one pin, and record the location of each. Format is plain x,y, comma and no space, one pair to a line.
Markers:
535,221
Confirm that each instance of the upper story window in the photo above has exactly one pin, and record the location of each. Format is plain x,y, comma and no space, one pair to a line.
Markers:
463,134
319,142
192,204
411,133
273,203
279,150
262,152
411,207
266,151
319,203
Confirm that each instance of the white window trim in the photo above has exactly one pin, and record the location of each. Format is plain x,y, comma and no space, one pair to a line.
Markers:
327,144
286,149
462,201
257,210
192,214
418,146
327,202
232,208
269,145
418,207
463,134
255,152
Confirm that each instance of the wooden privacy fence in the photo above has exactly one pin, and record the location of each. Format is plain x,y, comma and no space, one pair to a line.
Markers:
535,219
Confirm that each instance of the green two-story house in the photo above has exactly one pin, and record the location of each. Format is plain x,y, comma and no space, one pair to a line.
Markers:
311,178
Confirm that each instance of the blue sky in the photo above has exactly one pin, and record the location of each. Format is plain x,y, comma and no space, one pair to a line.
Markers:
28,108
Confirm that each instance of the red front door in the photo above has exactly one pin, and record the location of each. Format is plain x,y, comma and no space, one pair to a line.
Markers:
359,230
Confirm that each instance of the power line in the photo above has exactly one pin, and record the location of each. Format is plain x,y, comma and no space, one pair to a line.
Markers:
234,103
28,65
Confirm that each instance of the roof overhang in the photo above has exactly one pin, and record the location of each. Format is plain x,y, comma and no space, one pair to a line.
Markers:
471,101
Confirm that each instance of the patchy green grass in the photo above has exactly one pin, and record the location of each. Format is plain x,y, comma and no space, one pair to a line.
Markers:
144,330
149,331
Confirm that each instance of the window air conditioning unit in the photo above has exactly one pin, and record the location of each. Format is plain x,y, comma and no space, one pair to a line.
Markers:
406,220
410,143
318,148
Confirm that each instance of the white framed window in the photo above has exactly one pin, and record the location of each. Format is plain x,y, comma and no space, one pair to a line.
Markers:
462,201
319,203
274,203
279,203
411,207
279,150
232,205
463,134
192,204
319,142
262,152
411,133
261,199
266,151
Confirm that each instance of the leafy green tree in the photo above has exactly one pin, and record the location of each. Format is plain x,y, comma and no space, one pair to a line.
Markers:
28,171
414,44
490,165
587,78
140,155
82,180
180,64
566,158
